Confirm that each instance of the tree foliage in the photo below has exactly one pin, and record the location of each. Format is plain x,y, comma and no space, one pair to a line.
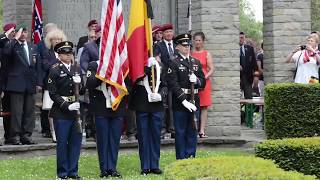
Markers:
248,24
315,15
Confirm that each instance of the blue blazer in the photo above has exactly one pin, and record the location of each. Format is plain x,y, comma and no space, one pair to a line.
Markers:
22,77
90,53
160,49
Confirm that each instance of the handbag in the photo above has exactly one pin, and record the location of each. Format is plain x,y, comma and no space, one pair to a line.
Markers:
46,101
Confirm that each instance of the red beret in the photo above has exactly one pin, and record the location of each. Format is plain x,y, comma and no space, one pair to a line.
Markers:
156,29
98,29
166,27
9,26
92,22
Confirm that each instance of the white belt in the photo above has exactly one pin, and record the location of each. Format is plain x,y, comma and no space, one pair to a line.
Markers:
188,91
140,83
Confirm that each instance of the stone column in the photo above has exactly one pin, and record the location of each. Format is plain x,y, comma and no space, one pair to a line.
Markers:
219,20
286,25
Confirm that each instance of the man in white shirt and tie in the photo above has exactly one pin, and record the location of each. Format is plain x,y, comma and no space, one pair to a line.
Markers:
165,51
24,80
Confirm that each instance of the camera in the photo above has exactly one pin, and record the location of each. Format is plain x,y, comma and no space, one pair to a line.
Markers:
302,47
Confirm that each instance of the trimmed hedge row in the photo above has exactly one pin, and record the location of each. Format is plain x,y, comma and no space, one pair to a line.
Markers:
228,168
300,154
292,110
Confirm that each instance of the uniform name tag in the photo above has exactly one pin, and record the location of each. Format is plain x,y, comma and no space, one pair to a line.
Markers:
62,75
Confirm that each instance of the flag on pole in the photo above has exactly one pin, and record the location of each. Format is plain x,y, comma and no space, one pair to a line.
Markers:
37,25
139,37
189,17
113,59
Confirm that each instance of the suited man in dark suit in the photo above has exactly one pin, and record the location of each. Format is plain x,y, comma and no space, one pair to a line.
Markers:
164,52
24,78
90,51
248,66
5,38
92,25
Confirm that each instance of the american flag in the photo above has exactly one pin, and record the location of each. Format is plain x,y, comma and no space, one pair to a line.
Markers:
113,66
37,26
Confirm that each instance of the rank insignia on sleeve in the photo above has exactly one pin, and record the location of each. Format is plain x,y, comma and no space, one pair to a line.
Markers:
169,71
88,73
49,81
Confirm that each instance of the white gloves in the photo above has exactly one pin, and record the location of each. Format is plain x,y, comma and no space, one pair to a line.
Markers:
191,107
152,61
193,78
74,106
76,79
154,97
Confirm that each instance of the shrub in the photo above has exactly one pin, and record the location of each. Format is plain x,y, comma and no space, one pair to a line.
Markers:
292,110
300,154
228,168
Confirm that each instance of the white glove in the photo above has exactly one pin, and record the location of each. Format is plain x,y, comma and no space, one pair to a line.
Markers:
74,106
154,97
191,107
76,79
152,61
193,78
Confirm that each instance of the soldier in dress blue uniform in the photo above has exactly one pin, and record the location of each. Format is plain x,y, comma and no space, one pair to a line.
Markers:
149,114
183,71
61,80
108,123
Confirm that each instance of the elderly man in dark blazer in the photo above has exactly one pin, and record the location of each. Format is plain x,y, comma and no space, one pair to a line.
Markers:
248,66
165,50
24,78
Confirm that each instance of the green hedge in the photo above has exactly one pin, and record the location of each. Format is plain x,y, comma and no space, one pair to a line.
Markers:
300,154
228,168
292,110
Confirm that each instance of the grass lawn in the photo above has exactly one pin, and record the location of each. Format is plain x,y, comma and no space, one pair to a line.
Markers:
128,165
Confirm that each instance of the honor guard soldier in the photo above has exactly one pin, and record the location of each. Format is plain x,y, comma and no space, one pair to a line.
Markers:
61,85
108,122
149,114
182,72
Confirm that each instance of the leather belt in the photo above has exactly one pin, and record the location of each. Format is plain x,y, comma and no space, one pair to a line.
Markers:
188,91
69,98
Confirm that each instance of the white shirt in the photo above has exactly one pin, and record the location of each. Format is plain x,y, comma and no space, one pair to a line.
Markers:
184,57
243,50
26,48
66,65
305,70
167,44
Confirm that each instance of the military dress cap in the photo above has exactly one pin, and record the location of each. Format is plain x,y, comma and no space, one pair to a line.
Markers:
166,27
64,47
92,22
156,28
184,39
9,26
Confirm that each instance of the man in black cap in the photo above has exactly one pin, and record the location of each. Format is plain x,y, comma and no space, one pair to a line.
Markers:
61,82
24,79
183,71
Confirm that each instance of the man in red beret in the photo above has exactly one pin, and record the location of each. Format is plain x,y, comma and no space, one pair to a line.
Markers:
157,34
92,26
7,27
164,51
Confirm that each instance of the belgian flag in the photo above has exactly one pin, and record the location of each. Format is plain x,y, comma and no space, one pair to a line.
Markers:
139,37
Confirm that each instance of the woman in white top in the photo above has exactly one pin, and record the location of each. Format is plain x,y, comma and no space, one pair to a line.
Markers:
306,59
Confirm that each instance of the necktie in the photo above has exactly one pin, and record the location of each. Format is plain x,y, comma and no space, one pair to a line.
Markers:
241,53
170,49
25,53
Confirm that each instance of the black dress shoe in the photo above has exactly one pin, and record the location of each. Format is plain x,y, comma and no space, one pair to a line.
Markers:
28,142
63,177
12,142
75,177
145,172
104,174
115,174
156,171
